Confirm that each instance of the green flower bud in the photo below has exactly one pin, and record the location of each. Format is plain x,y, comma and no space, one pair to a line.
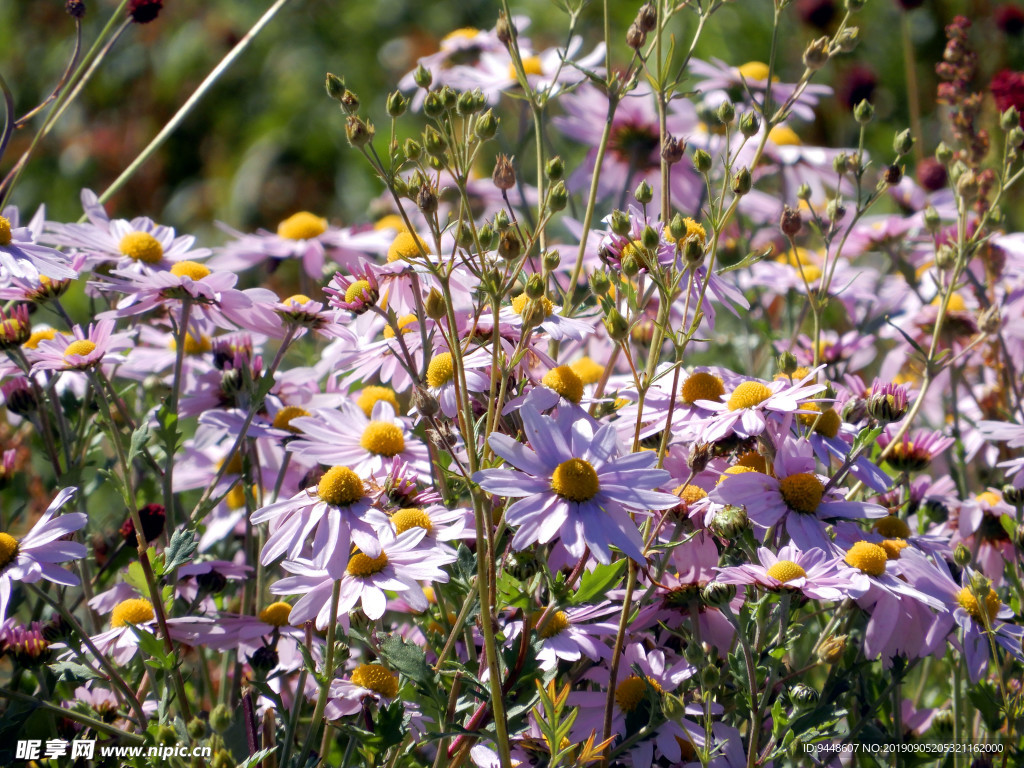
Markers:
433,106
220,718
434,305
701,161
486,125
1013,495
932,222
803,695
848,39
551,261
1010,119
741,181
726,112
903,142
359,133
643,193
864,112
803,192
555,169
558,197
710,676
649,238
677,227
509,246
434,142
422,77
501,222
466,104
716,594
961,556
729,523
397,104
600,283
449,97
693,253
787,363
486,236
943,153
630,265
335,86
615,323
534,286
816,54
749,124
349,102
196,729
831,651
620,223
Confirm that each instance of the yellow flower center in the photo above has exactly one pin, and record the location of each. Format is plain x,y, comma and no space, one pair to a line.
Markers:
46,334
276,614
556,625
738,469
134,611
956,303
969,602
234,464
283,419
374,677
802,491
701,386
989,497
5,231
193,346
784,136
754,461
440,371
340,486
575,480
893,547
302,226
370,396
361,565
633,690
693,229
633,248
531,66
786,571
590,372
357,290
298,298
391,221
867,557
403,322
690,494
190,269
519,304
565,382
236,497
404,519
80,347
748,394
407,245
141,246
753,70
8,549
892,528
828,424
383,438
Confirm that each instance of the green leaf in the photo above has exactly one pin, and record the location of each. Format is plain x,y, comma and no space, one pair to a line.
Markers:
72,671
598,581
866,438
1009,525
181,548
985,698
254,759
409,659
390,724
139,439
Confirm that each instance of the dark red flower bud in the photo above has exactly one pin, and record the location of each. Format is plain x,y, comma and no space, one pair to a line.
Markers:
144,11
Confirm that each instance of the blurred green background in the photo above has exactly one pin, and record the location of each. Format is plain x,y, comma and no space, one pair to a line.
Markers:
267,141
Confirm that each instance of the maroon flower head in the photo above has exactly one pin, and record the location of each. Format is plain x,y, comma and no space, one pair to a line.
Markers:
1009,17
816,13
144,11
857,84
1008,90
153,517
931,174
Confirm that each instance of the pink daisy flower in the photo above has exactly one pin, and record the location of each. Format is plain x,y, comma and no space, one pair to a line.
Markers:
812,572
100,346
753,403
22,258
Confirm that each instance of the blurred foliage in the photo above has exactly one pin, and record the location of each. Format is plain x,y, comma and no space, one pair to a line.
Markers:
267,141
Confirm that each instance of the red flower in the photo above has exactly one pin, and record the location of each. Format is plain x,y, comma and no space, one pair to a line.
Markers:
144,11
1008,90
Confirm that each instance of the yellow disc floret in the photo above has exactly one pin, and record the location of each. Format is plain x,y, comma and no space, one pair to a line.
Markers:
893,547
784,136
134,611
802,492
358,290
969,602
80,347
403,325
193,345
302,226
557,624
633,690
590,372
372,395
440,371
383,438
361,565
404,519
748,394
690,494
565,382
701,386
391,221
754,461
276,614
374,677
141,246
190,269
575,480
753,70
407,245
867,557
519,304
43,334
340,486
892,528
298,298
8,549
5,231
283,419
786,571
738,469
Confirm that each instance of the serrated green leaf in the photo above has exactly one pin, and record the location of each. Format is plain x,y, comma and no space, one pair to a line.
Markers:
139,439
182,546
72,671
409,659
598,581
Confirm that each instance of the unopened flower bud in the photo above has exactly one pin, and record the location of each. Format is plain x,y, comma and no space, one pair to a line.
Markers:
803,695
1013,495
893,175
434,142
397,104
741,181
635,37
701,161
749,124
75,8
220,718
434,305
504,176
464,237
620,223
1015,138
787,363
835,210
600,283
630,265
840,163
358,132
943,153
710,676
647,18
555,169
426,200
848,39
465,103
349,102
335,86
945,257
968,186
931,219
196,728
790,222
803,192
558,197
726,112
1018,537
649,238
509,246
943,720
715,594
486,125
1010,119
864,112
433,105
831,651
551,260
534,286
903,143
961,556
615,323
422,77
693,253
888,403
504,29
412,149
501,221
486,236
855,410
729,523
677,227
643,193
816,54
449,97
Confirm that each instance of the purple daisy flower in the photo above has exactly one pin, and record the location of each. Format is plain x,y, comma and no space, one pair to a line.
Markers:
35,555
83,350
575,486
813,572
753,403
21,257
